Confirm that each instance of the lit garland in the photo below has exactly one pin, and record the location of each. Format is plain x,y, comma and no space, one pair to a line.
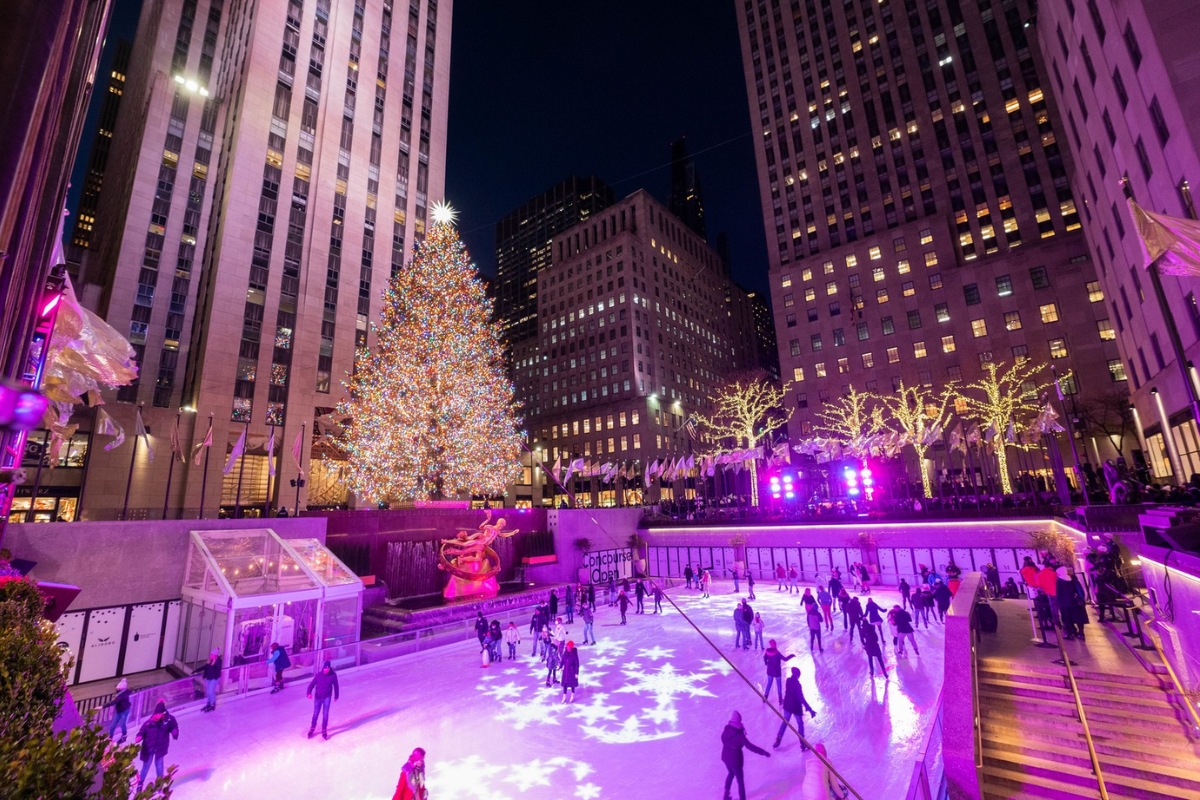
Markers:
432,412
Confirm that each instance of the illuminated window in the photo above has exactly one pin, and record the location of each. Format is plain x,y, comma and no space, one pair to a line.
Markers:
881,296
820,369
810,294
919,350
828,267
851,260
1004,286
1012,321
960,405
1117,369
1105,327
931,259
942,311
1095,293
843,366
935,280
1058,348
788,300
831,288
978,328
902,266
893,354
797,373
806,275
786,280
876,253
907,289
947,344
868,360
877,273
1049,312
926,236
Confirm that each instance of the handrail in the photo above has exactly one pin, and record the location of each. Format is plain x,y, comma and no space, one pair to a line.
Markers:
1087,731
920,777
1187,701
978,716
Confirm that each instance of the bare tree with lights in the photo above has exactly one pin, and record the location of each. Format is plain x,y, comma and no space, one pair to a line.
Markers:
855,420
1001,399
432,412
747,409
920,415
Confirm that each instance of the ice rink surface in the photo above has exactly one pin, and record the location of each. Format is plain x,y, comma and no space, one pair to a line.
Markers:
646,722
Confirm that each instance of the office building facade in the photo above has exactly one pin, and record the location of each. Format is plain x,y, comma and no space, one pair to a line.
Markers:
1121,73
919,215
271,167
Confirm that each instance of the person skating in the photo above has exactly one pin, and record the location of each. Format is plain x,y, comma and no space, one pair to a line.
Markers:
553,603
870,642
495,637
553,660
737,586
904,630
481,627
155,737
793,580
758,626
412,778
740,632
120,706
589,635
843,598
873,615
807,599
544,640
569,602
211,672
687,576
774,659
570,672
705,583
819,783
905,591
941,596
639,593
612,590
835,586
622,604
512,638
814,628
794,705
278,661
321,690
750,584
658,598
854,614
747,621
733,740
780,577
825,601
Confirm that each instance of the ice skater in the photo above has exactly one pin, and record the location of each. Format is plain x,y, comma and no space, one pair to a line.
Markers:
905,591
794,705
588,620
481,627
321,690
941,596
758,626
870,643
412,778
495,637
639,593
705,583
278,661
155,737
623,605
793,580
733,740
687,576
874,616
512,638
774,659
211,672
570,672
750,584
904,630
120,706
737,586
815,623
569,601
658,598
552,662
854,614
780,577
825,601
740,632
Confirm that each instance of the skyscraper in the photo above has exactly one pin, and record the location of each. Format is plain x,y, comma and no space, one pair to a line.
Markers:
89,201
271,166
687,198
1120,72
918,210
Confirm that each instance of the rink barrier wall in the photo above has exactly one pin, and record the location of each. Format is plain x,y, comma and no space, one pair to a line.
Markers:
928,780
961,732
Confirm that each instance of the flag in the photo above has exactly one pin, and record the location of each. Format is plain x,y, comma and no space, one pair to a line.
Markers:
176,447
990,433
271,453
690,425
206,443
1173,241
298,451
1011,434
107,426
557,466
239,447
780,453
691,463
652,468
139,429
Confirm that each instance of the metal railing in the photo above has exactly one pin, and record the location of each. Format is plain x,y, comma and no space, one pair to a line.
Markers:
1155,639
928,780
1087,731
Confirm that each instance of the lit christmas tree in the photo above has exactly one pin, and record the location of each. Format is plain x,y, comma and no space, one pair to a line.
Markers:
432,413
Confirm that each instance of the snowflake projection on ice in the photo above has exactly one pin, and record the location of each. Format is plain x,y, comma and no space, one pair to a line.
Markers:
644,708
474,778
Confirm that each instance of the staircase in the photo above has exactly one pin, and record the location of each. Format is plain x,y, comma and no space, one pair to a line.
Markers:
1034,746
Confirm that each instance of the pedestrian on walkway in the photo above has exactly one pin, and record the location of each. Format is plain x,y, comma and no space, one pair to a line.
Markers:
321,690
774,659
639,593
870,642
814,628
794,706
570,672
873,615
211,672
905,591
155,737
750,584
512,638
733,740
588,620
412,778
1071,604
278,661
120,706
658,598
825,601
758,626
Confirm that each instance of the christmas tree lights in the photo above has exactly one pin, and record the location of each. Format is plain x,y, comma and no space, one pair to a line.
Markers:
432,412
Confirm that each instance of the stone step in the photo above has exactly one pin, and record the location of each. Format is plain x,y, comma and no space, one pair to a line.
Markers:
1181,773
1147,748
1092,684
1041,778
1010,783
1152,703
1048,667
1169,721
1108,730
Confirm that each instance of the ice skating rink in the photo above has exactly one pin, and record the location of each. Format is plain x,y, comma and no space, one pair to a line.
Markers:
653,699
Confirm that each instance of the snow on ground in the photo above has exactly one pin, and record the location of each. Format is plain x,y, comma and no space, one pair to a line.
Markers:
646,722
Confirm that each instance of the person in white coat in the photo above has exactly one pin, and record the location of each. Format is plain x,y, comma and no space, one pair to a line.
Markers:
819,783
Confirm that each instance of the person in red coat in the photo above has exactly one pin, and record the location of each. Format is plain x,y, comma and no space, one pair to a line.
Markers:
412,778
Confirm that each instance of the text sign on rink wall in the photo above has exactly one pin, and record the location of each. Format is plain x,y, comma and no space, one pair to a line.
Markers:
605,564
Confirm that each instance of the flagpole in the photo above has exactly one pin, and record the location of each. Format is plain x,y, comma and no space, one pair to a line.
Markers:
1071,435
132,459
237,497
270,455
204,477
171,469
300,469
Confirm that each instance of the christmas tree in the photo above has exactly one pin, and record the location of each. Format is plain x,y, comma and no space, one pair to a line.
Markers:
432,413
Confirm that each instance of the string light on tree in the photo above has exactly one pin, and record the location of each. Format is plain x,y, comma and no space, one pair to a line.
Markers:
747,409
432,412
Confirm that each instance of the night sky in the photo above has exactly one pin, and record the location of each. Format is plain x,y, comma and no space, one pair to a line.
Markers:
540,90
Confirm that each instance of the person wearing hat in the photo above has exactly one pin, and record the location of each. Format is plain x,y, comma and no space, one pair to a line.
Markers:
570,672
1072,605
819,783
321,689
279,661
794,705
412,778
155,737
120,706
212,675
733,740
